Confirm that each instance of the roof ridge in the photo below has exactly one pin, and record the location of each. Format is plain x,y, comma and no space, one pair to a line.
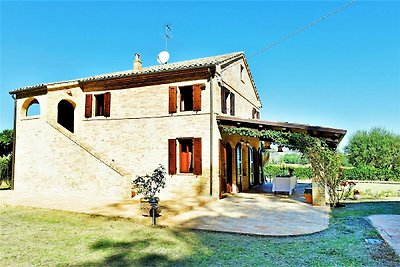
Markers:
179,65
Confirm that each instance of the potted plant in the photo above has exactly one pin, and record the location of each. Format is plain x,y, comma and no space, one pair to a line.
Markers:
148,186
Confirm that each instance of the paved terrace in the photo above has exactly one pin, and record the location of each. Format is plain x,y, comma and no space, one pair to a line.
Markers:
248,213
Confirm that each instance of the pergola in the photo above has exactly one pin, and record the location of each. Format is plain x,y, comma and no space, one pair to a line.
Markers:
332,136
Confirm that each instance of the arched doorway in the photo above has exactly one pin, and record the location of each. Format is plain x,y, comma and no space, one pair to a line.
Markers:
239,167
65,115
229,160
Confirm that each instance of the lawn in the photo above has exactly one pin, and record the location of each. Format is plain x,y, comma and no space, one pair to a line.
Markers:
41,237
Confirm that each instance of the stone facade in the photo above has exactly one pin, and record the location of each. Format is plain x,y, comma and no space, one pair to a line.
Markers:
103,154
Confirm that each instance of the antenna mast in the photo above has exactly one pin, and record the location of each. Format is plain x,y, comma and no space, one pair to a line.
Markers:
167,35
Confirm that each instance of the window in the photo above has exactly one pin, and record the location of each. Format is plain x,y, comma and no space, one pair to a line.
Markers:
186,98
239,166
241,73
189,98
33,108
255,114
189,155
102,103
185,155
251,166
232,97
224,100
99,105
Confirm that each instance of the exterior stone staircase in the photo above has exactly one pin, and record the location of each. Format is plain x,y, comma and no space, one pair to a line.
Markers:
90,150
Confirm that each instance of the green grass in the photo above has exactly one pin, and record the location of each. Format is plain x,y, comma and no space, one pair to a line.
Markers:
40,237
378,190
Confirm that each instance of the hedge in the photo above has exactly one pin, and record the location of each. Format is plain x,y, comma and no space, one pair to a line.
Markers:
299,171
371,174
364,173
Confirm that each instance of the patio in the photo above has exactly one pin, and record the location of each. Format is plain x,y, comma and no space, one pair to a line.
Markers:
255,212
258,212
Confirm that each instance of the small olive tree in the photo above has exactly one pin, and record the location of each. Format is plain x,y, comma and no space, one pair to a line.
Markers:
150,185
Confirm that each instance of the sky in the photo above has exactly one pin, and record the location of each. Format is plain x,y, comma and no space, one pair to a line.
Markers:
343,72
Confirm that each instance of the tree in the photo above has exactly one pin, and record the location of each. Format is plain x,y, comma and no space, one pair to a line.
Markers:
377,148
6,142
6,147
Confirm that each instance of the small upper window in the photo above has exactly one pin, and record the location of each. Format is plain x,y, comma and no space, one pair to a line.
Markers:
101,102
190,97
224,97
186,98
33,108
99,105
242,73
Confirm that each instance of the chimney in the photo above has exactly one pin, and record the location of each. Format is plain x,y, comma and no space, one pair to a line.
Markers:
137,64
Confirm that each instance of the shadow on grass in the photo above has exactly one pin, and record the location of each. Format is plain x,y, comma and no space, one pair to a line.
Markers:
162,246
142,252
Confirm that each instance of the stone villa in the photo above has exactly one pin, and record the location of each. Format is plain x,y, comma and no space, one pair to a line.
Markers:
94,135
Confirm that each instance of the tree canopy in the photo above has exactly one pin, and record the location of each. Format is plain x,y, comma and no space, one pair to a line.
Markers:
377,148
6,142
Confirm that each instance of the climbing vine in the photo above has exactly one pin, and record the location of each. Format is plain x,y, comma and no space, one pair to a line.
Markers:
325,162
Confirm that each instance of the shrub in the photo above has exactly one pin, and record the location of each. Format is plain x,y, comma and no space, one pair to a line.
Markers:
149,185
371,174
299,171
294,159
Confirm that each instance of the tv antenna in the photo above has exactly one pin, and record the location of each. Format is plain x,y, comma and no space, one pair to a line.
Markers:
163,56
167,35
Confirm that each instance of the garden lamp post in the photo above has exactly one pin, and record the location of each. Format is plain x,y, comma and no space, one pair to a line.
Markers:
153,210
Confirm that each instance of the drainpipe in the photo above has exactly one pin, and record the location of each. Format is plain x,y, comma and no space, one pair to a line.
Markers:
14,143
211,130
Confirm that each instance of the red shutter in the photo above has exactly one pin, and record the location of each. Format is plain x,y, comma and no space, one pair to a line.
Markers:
197,156
172,99
232,104
197,97
171,156
88,106
107,104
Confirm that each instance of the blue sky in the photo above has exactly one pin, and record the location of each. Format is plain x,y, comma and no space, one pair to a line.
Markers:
343,72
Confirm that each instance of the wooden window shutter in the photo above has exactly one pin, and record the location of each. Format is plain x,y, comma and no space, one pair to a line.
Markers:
172,99
107,104
197,156
197,97
171,156
232,104
223,100
88,105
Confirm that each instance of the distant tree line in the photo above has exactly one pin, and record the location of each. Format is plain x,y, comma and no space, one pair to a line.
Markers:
370,155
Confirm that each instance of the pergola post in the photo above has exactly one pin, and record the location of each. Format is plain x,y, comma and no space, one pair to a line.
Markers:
318,194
